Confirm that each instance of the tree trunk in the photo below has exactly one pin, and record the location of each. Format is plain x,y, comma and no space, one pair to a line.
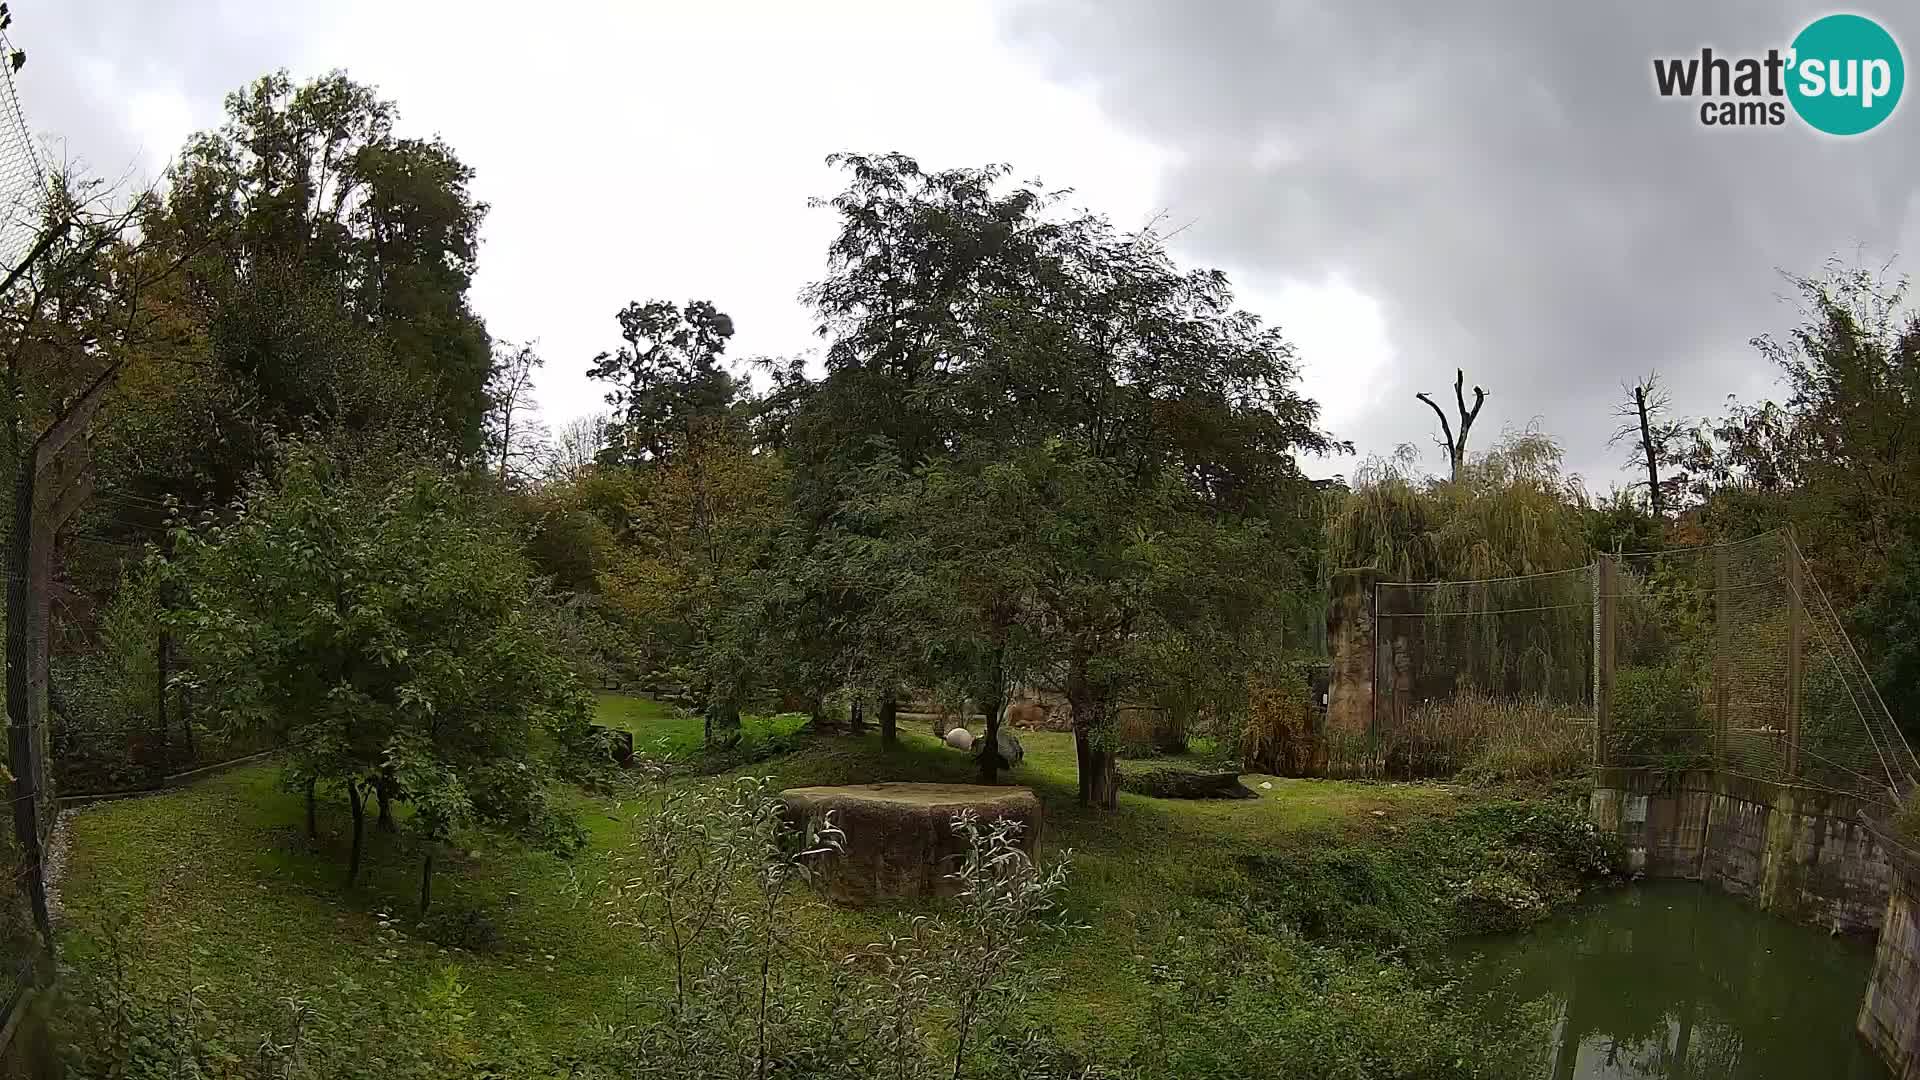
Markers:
723,726
857,716
384,790
1170,731
1650,452
355,797
162,664
186,722
426,880
989,756
1093,741
313,818
1103,789
889,728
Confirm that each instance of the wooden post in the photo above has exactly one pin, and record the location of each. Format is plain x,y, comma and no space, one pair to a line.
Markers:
1606,591
1722,651
1796,634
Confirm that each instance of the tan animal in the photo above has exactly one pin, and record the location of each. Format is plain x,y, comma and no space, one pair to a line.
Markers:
1026,714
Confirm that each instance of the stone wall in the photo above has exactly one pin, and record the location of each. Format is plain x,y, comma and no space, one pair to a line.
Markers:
1803,853
1350,639
1890,1013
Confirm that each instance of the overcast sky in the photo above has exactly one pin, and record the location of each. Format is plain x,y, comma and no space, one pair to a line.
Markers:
1403,187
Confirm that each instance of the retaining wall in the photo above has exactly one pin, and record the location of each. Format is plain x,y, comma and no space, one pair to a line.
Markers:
1890,1013
1804,853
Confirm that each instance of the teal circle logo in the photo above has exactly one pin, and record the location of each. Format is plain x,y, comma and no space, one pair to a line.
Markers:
1845,74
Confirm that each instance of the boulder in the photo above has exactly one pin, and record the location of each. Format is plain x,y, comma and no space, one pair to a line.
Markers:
1011,752
899,838
960,739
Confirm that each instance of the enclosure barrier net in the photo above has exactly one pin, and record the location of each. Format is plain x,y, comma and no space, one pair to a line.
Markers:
1494,674
1729,657
23,180
29,795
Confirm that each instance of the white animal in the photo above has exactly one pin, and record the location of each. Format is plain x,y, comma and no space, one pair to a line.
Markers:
960,739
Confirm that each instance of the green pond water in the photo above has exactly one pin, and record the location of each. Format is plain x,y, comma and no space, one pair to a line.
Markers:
1678,981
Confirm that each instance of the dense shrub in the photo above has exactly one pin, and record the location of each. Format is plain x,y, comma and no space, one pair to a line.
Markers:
1244,1004
1490,868
1278,734
1659,719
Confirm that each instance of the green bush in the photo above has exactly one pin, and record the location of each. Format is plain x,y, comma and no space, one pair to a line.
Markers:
1659,718
1495,867
1239,1004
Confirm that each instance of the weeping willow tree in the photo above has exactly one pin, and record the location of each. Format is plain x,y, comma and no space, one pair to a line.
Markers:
1513,511
1497,598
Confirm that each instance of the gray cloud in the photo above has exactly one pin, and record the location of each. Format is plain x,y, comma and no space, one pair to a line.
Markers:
113,84
1502,176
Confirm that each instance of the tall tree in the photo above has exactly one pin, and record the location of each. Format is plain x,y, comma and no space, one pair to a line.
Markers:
1456,445
703,521
576,446
1839,459
516,439
329,265
667,376
1659,441
74,316
969,326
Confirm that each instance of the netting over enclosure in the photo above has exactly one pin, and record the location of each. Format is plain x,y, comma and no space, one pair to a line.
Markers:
1476,670
30,797
1729,657
22,179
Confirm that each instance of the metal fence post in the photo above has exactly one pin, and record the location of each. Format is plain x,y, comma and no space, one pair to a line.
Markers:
1722,653
1796,633
1605,592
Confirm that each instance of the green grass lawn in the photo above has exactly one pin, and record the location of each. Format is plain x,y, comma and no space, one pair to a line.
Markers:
658,727
218,884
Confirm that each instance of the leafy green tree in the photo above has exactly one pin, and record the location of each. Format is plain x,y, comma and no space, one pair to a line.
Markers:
381,622
1512,512
1838,460
327,262
703,522
669,382
1852,369
1889,618
969,326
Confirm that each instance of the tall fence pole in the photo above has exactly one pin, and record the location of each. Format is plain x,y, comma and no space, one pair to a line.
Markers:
1796,636
1722,653
1605,591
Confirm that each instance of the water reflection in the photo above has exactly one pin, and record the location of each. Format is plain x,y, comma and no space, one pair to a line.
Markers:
1676,981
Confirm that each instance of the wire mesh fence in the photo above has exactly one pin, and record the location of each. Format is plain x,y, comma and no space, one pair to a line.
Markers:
22,875
1727,657
1493,672
23,179
114,728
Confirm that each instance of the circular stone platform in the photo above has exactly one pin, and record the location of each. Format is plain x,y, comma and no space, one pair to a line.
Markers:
900,841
